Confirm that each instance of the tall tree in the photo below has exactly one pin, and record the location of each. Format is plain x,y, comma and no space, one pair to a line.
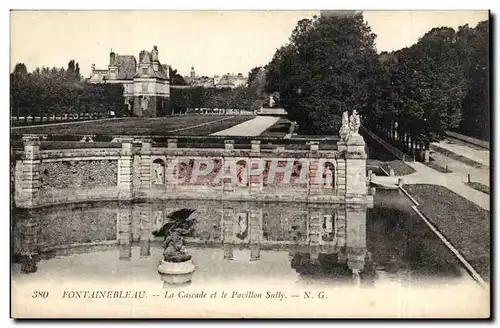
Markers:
175,77
330,66
20,68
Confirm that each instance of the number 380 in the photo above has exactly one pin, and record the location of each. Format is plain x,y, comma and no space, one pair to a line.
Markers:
40,294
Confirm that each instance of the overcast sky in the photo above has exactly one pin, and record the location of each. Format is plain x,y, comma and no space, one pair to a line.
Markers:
214,42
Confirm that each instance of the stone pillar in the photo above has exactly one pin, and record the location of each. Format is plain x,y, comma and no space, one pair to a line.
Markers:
341,177
355,158
356,238
172,143
255,233
30,173
29,245
228,181
145,229
125,170
125,232
145,167
315,184
256,182
340,221
314,145
228,251
229,145
314,233
255,148
427,155
227,228
279,149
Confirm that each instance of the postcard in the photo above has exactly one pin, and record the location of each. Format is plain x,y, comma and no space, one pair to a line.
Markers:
250,164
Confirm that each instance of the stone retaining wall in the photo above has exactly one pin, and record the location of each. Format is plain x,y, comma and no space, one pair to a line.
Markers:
140,170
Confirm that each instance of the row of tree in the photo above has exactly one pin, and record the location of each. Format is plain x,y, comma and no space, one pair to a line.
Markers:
251,97
46,92
199,97
331,65
440,83
55,91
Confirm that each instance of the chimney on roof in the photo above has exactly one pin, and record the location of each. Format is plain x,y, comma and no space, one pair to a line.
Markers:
154,54
142,54
112,58
154,58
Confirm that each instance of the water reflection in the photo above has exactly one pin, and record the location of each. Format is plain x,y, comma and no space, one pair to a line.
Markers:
397,245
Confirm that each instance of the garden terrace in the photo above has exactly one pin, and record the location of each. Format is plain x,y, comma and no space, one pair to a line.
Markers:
57,141
163,126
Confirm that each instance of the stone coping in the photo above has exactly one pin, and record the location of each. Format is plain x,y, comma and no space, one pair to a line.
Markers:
98,194
83,248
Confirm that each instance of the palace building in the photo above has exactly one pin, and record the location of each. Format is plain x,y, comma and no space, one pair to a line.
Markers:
146,81
228,80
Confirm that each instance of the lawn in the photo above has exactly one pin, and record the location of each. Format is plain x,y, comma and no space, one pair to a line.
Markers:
463,223
457,157
163,126
438,167
399,167
479,187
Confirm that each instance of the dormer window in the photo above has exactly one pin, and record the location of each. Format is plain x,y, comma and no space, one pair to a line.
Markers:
144,71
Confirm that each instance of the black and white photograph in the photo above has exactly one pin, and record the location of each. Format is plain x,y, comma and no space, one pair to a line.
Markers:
250,164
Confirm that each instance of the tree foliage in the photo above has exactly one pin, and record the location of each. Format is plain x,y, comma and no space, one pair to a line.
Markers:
240,98
175,77
53,91
329,66
438,84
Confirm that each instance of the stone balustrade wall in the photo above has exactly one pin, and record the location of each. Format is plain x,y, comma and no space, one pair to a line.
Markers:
139,169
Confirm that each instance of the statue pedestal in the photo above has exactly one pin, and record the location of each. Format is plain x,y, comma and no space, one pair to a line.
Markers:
175,273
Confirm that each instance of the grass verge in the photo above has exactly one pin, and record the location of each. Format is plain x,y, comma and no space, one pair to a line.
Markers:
479,187
399,167
463,223
162,126
438,168
457,157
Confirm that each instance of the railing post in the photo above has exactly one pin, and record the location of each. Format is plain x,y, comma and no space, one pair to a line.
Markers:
172,143
255,146
29,180
125,169
228,144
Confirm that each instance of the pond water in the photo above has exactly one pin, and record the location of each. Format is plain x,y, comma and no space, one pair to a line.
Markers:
113,242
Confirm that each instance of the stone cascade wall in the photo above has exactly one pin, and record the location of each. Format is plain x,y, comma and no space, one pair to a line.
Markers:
66,225
140,170
285,223
46,177
78,174
324,176
313,228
